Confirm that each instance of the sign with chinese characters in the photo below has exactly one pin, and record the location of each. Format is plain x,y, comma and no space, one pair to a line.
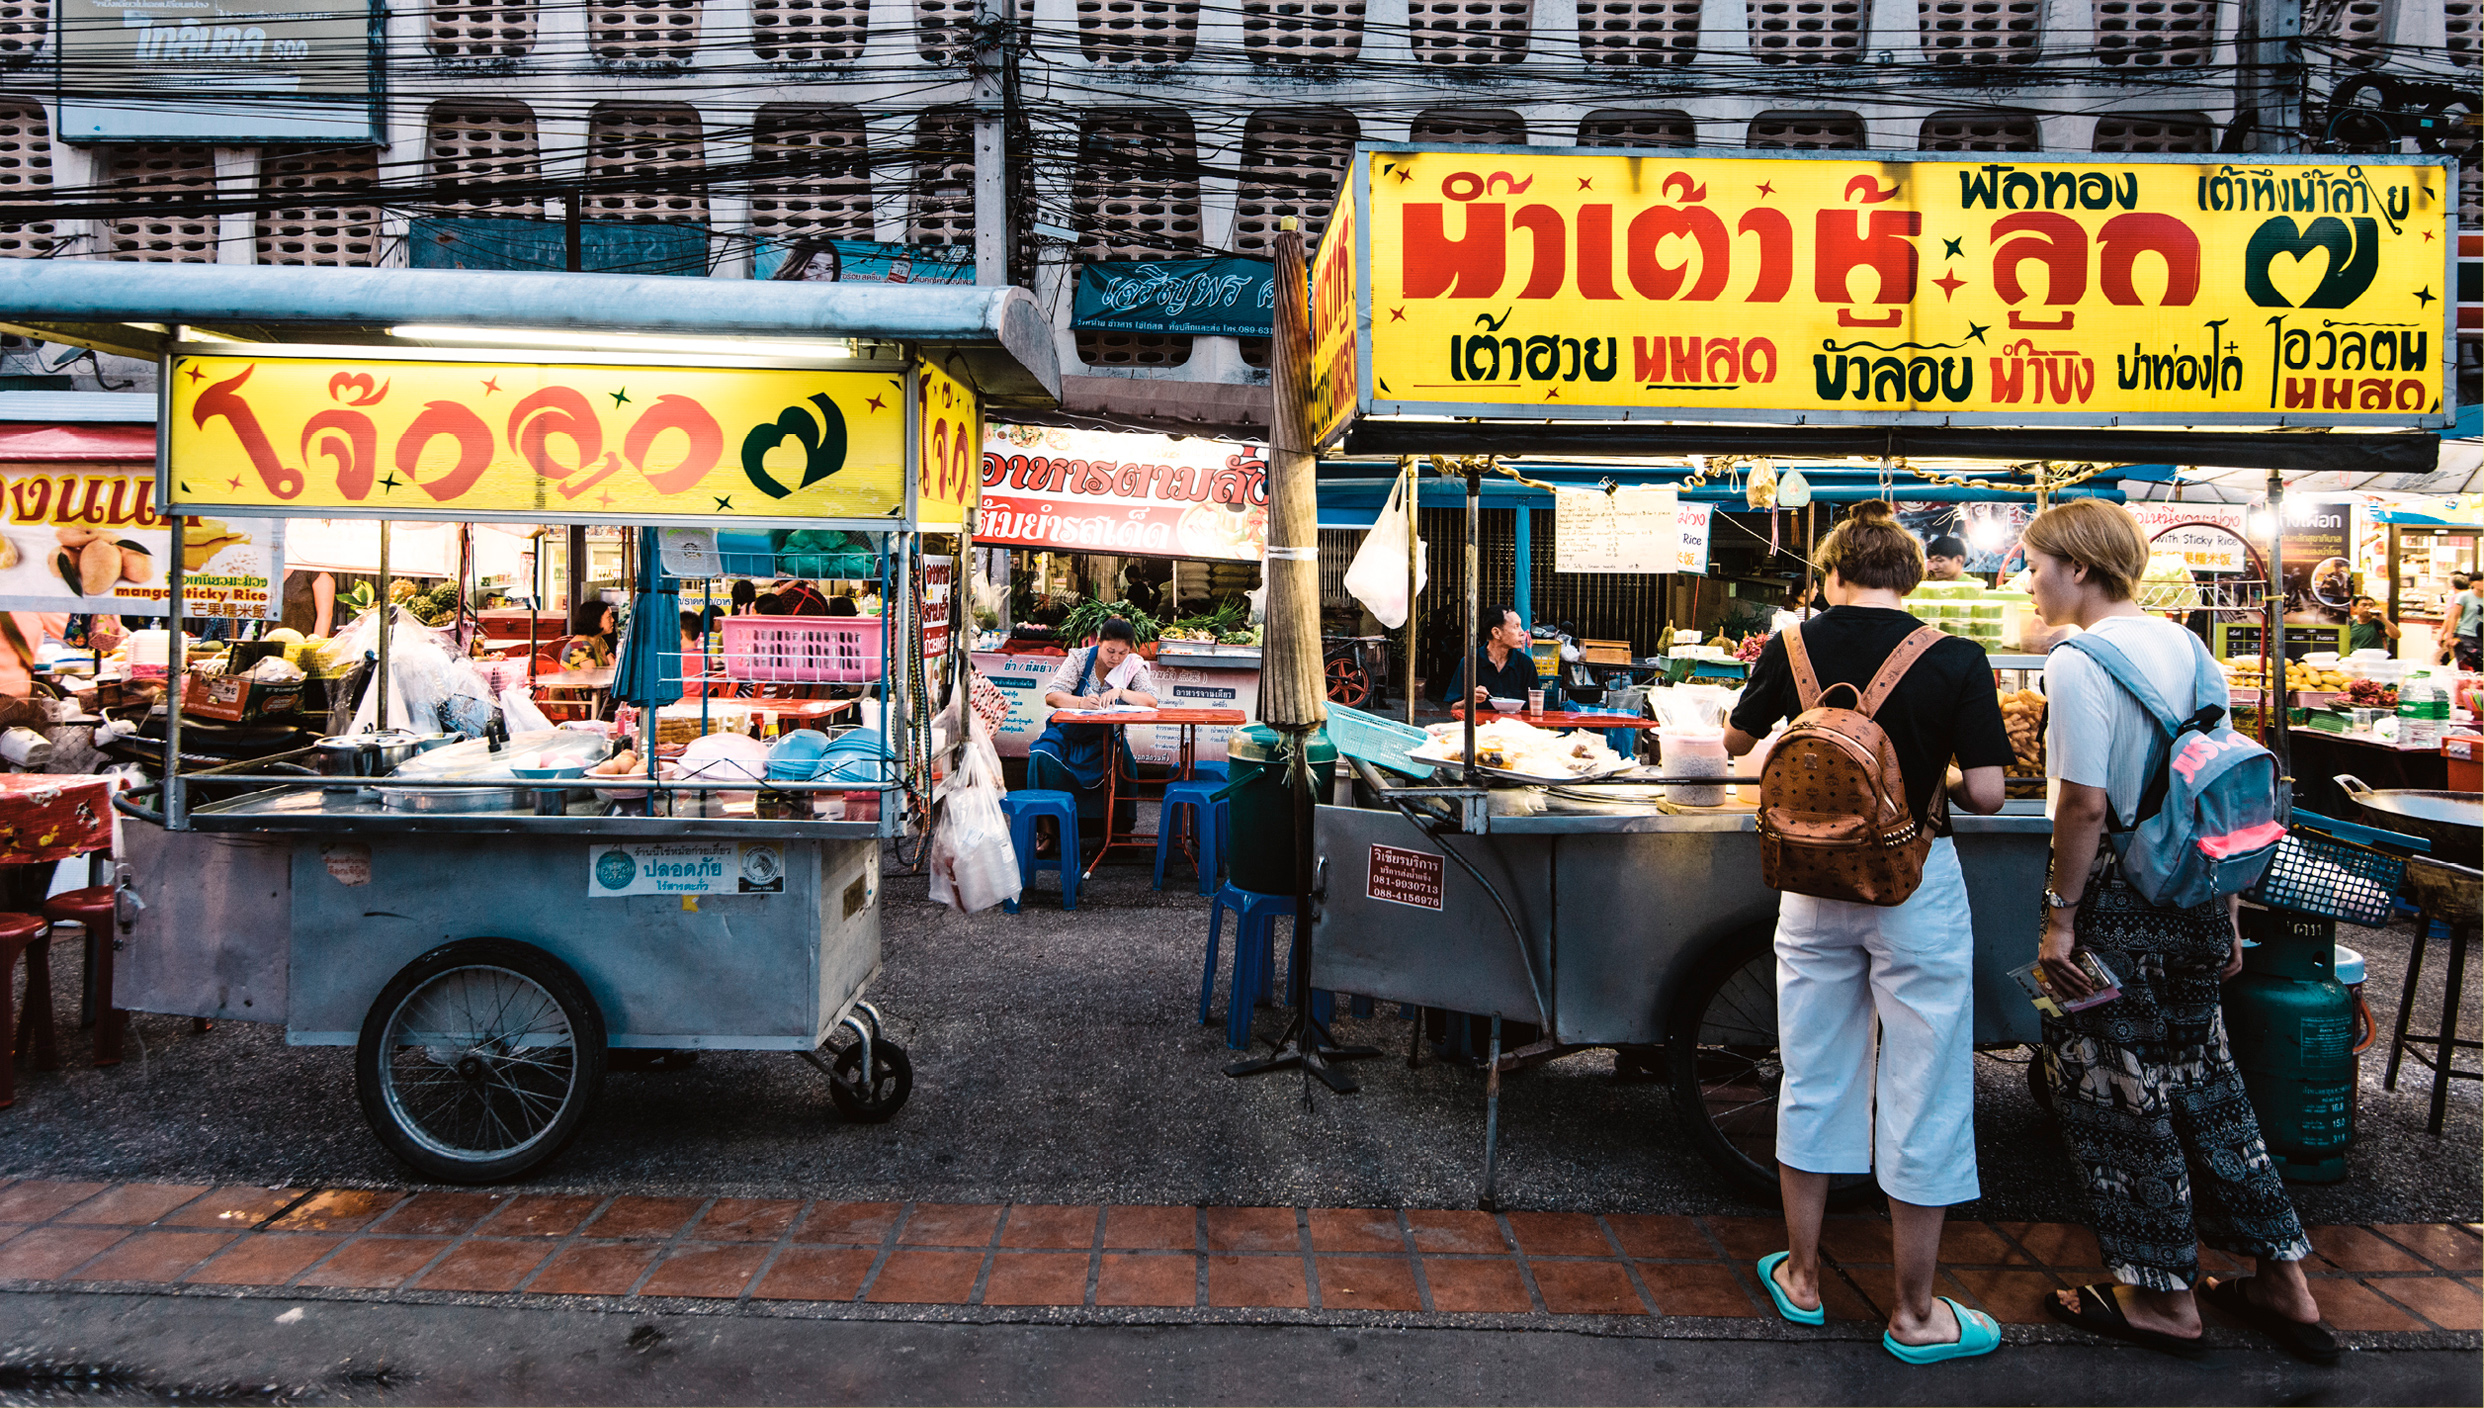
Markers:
563,442
2208,536
1130,495
1924,290
88,539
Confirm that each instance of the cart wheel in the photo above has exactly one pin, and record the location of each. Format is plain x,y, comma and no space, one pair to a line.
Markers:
892,1080
1721,1053
480,1060
1348,683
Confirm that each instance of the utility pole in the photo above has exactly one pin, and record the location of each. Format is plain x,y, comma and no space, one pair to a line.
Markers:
993,31
2275,75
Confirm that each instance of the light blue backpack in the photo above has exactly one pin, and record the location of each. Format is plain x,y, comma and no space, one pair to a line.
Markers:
2213,810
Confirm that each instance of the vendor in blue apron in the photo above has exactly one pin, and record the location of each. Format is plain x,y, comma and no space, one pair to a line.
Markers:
1072,757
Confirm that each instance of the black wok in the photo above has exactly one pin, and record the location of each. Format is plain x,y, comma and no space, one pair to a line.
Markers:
2452,821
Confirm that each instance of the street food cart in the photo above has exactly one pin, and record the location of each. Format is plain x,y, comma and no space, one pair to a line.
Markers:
488,943
1951,320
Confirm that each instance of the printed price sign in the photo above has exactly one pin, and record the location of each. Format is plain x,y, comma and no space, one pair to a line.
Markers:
1405,877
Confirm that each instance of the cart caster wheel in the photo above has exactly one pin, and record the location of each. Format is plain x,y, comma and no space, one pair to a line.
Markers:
872,1101
480,1060
1721,1056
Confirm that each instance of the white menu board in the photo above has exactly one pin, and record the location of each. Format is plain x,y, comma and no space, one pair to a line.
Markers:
1618,530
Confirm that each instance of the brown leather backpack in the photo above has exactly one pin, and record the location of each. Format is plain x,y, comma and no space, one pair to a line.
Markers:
1833,819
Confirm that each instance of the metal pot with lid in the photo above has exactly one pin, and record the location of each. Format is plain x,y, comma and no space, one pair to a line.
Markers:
365,754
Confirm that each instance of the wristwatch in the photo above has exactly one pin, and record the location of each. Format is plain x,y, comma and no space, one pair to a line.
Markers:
2053,900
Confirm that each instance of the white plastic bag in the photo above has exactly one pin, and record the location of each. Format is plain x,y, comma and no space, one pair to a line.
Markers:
1377,576
518,711
973,866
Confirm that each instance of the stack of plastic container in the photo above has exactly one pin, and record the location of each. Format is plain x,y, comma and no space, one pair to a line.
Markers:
1964,609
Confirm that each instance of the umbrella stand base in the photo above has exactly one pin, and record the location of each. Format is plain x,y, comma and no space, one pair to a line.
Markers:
1307,1044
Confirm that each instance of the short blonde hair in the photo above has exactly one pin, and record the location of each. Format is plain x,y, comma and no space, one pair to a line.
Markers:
2102,537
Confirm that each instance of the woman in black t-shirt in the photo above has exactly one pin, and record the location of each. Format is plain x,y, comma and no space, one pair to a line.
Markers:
1901,1107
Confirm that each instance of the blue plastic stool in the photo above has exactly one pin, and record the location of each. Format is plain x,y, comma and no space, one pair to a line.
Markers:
1254,961
1023,808
1197,796
1254,939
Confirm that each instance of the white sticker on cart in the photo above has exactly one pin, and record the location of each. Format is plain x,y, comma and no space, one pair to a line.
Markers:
687,868
1405,877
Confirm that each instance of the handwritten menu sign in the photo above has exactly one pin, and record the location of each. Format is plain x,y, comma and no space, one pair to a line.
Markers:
1625,530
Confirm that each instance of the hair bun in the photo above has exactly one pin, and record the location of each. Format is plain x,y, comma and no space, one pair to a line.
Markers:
1872,511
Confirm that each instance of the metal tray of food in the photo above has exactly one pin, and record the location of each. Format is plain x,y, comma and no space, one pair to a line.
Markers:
456,799
1528,778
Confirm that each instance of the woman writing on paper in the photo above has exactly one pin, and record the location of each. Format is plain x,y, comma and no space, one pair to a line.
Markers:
1073,757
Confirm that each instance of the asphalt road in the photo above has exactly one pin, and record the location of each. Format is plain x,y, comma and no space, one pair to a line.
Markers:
103,1349
1058,1059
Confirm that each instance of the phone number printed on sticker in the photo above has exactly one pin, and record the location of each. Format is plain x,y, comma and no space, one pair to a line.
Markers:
1401,876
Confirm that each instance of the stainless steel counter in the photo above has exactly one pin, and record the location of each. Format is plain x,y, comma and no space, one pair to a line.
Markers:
344,813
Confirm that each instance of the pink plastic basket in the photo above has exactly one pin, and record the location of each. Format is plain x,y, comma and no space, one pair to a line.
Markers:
802,649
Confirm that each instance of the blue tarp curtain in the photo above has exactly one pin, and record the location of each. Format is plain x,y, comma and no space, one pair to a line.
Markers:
650,668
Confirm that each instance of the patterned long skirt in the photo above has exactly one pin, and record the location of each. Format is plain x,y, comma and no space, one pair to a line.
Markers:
2151,1105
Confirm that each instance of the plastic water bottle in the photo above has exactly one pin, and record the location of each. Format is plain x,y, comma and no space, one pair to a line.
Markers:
2418,725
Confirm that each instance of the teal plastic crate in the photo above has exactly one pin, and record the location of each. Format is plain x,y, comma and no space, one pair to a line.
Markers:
1380,742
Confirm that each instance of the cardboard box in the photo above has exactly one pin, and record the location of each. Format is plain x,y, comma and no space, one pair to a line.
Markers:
239,701
1604,652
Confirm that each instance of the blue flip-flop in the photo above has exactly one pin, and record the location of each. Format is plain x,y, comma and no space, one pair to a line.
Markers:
1978,1334
1768,1265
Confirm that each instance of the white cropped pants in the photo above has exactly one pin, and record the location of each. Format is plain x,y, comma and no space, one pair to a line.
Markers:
1901,1106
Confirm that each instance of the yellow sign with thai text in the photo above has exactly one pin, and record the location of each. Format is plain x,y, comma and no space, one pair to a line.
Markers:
1336,350
949,441
550,441
2019,291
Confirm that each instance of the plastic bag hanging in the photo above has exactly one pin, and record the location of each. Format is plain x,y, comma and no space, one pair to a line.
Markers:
1377,576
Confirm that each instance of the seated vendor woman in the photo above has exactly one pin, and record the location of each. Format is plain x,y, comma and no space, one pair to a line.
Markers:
590,636
1072,757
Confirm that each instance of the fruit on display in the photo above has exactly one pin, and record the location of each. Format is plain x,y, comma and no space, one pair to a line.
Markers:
2371,694
2246,674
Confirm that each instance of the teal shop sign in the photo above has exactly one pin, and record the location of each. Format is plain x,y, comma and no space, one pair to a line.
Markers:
1227,296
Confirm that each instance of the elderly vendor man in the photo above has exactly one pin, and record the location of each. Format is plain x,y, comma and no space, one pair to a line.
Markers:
1074,757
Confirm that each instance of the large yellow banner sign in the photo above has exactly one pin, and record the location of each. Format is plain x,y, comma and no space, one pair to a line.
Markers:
949,432
568,443
1970,290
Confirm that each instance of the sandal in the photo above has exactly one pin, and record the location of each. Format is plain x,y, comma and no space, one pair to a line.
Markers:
2312,1343
1786,1307
2100,1313
1978,1333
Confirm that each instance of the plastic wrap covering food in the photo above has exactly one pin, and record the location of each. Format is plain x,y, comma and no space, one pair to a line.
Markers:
1511,746
476,761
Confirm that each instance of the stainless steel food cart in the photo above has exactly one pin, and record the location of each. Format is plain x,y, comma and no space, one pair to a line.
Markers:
1615,925
486,946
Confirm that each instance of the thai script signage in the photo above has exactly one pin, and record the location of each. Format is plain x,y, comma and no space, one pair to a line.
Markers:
948,435
1519,282
1221,297
1130,495
90,540
1337,320
693,868
571,443
188,70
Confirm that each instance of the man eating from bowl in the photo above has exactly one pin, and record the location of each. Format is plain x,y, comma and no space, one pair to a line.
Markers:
1502,668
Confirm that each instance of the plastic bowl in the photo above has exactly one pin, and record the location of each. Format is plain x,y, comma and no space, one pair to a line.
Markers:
561,774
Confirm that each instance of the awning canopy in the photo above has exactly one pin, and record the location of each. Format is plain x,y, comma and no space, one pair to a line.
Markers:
1000,335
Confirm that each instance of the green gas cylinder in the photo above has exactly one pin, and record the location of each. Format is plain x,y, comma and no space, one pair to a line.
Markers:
2291,1025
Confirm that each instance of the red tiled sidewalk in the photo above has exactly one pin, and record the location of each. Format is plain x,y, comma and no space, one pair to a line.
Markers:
2394,1278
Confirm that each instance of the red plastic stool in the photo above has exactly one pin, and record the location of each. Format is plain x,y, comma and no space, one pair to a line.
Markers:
94,908
20,933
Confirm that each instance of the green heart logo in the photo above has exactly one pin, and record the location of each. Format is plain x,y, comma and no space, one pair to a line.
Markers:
2354,259
822,439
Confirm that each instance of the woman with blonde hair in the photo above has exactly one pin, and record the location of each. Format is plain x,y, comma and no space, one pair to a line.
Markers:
2144,1089
1902,1106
